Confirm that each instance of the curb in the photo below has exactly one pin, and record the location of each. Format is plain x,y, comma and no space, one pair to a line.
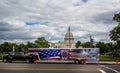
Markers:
108,62
104,62
100,62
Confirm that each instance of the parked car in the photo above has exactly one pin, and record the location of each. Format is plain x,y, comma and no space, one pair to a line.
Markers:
113,54
19,56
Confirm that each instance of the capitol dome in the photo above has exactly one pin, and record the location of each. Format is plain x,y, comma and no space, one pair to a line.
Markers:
69,35
69,39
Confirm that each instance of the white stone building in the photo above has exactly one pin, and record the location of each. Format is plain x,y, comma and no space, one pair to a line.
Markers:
67,43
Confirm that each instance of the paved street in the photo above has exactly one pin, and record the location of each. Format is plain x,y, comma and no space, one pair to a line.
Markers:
57,68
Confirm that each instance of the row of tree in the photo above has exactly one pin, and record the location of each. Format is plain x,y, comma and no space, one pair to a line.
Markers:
39,43
42,43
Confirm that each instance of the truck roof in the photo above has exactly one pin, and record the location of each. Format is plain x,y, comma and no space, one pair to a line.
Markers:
59,48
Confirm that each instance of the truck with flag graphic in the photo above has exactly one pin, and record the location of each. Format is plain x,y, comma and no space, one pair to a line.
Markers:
68,55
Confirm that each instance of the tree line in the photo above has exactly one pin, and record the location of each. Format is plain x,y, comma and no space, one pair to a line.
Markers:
42,43
38,43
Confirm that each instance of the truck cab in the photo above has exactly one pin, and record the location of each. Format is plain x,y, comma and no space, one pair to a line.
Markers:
18,56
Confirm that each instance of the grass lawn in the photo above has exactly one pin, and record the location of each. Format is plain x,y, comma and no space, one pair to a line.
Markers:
107,58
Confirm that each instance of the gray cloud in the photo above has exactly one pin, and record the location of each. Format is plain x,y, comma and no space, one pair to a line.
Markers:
5,27
85,18
105,18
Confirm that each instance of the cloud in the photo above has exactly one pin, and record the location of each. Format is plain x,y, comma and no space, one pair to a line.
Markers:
85,1
25,20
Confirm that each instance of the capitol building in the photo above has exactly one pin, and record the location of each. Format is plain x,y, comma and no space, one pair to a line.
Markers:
67,43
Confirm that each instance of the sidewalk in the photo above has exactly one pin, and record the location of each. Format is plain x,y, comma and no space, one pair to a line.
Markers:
103,62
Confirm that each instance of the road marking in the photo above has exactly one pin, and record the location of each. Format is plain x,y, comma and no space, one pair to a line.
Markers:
109,68
102,71
30,68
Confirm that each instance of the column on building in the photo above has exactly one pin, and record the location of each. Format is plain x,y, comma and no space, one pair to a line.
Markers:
69,39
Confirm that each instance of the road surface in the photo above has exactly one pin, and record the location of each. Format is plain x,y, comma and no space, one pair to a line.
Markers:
57,68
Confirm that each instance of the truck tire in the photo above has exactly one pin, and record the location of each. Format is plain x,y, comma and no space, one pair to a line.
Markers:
5,60
27,61
77,62
82,61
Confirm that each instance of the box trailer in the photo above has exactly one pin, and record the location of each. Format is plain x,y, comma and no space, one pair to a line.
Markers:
66,55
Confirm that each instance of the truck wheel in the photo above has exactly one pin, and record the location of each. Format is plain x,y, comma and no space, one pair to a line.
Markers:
77,62
82,61
5,60
27,60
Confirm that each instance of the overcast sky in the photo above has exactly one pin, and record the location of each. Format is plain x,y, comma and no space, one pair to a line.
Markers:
26,20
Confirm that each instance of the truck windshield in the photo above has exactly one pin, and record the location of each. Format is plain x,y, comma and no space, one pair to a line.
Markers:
11,53
19,53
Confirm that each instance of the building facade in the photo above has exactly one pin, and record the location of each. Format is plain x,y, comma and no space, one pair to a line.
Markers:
67,43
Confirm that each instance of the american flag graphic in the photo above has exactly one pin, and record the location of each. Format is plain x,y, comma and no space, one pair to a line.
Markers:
66,54
50,54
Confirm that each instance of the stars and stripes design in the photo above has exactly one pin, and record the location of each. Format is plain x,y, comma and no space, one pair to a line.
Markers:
50,54
66,54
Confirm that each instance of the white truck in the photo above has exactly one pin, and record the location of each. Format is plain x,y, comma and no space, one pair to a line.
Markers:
66,55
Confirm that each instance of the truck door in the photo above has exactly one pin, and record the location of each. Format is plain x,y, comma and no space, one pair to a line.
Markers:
64,54
19,56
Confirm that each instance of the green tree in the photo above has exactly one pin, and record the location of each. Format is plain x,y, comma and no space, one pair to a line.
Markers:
109,47
39,43
102,47
31,45
42,43
117,17
6,47
78,44
86,44
115,33
23,48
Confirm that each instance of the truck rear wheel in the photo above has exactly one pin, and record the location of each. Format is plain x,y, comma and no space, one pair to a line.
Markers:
27,61
77,62
5,60
82,61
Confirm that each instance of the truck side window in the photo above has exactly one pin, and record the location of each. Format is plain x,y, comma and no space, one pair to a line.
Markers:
11,53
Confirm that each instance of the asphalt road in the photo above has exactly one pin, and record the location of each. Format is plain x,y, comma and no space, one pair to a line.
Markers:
57,68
